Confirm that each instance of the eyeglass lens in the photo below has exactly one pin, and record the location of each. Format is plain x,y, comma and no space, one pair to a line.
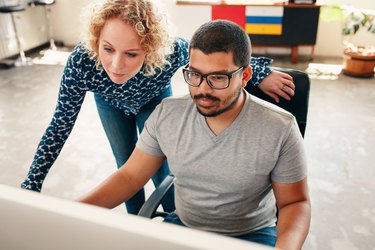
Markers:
215,81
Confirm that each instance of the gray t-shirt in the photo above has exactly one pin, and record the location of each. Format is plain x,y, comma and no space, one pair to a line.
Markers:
223,182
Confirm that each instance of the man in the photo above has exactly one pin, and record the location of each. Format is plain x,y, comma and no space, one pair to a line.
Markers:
232,154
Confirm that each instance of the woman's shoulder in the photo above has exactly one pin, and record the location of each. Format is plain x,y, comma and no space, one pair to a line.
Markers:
80,51
180,53
179,45
80,56
181,41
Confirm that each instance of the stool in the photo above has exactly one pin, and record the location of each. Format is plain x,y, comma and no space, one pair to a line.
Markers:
47,10
21,6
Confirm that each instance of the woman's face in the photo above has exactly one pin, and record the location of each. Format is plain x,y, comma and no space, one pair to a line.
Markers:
120,52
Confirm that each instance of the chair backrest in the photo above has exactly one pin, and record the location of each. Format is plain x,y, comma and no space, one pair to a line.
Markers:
299,103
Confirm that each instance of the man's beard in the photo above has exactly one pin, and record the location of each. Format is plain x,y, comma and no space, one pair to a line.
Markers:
213,98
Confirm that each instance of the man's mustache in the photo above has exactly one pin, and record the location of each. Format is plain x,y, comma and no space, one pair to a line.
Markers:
210,97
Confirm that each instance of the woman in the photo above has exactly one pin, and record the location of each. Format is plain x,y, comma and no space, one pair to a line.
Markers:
127,61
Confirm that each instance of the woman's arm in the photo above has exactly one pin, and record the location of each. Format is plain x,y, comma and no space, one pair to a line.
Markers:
69,103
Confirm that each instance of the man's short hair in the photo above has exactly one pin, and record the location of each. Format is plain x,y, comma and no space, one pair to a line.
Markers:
223,36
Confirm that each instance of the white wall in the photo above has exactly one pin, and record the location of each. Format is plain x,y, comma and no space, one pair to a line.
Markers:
66,20
67,26
329,39
31,26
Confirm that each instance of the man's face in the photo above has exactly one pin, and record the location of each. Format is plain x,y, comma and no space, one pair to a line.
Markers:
213,102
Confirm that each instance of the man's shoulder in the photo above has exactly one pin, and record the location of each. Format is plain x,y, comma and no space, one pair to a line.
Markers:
174,106
170,111
265,107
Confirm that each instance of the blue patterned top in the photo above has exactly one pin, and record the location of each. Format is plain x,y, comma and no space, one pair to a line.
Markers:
80,76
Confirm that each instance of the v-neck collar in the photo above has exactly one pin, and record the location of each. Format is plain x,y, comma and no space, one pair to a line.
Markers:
227,131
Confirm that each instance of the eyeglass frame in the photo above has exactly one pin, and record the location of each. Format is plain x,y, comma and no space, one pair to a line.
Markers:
204,76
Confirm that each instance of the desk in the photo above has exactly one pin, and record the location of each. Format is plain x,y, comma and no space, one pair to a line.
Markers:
299,23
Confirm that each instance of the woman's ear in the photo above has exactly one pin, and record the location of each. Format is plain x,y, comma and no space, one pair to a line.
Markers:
246,76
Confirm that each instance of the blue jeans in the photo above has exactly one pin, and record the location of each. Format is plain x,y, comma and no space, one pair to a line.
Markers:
122,133
265,236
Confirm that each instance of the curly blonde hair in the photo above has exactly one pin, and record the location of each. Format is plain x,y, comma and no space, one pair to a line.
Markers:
150,24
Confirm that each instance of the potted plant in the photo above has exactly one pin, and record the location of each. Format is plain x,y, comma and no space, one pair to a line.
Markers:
359,60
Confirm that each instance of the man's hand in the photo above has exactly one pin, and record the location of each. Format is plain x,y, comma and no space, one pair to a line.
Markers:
278,84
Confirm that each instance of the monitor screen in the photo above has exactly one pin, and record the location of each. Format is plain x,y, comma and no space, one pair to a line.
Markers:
30,220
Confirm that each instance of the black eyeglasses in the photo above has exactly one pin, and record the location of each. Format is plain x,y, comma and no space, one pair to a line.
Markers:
215,81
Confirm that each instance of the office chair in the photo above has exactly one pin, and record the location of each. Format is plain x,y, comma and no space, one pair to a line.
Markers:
298,106
12,8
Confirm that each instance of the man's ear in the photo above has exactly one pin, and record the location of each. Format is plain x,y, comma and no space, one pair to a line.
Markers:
246,76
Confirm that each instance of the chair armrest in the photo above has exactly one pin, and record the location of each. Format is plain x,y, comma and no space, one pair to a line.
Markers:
148,209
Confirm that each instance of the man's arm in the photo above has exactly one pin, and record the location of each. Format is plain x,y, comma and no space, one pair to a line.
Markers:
294,217
125,182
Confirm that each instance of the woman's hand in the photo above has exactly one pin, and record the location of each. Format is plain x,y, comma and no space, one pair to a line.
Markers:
278,84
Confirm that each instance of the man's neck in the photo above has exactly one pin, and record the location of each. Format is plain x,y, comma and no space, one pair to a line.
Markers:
219,123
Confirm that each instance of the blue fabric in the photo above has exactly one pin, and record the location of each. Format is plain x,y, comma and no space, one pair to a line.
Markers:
266,236
261,69
122,133
173,219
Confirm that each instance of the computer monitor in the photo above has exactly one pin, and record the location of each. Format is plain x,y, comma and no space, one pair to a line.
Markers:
30,220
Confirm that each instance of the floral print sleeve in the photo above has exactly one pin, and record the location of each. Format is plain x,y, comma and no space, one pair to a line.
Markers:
261,69
70,99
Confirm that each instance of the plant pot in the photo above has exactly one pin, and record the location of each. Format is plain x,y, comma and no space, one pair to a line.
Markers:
359,62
